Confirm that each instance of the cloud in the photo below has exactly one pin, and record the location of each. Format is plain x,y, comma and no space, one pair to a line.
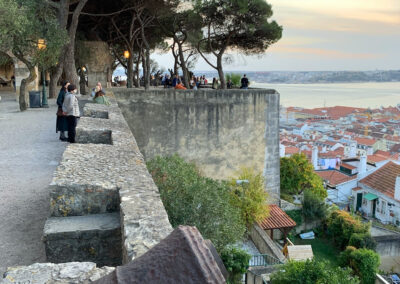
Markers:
328,53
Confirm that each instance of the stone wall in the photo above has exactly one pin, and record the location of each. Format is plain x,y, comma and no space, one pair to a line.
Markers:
104,173
221,130
388,245
265,244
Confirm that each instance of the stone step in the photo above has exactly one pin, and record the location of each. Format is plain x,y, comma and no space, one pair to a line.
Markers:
95,238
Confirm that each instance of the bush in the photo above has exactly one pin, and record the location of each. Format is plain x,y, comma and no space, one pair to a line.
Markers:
296,215
314,207
362,240
312,272
341,226
297,175
194,200
364,263
236,261
235,78
251,197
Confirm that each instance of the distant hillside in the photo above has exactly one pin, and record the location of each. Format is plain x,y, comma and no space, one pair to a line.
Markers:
313,77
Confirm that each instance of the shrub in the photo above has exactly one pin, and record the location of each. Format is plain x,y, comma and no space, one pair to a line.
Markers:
312,272
341,226
194,200
297,175
236,261
362,240
296,215
364,263
235,78
314,207
250,197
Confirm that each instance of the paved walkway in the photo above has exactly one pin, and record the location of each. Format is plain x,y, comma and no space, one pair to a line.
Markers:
29,153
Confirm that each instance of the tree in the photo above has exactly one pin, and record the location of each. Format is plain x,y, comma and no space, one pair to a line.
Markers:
341,226
251,197
236,261
235,24
364,263
314,207
312,272
362,240
24,23
191,199
297,175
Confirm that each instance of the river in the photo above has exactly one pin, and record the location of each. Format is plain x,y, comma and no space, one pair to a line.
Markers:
371,95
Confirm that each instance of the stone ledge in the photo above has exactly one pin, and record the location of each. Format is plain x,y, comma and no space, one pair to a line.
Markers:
94,238
63,273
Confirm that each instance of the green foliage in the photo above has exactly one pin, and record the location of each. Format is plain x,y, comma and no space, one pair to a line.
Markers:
250,197
362,240
341,226
297,175
296,215
312,272
235,78
314,207
236,261
191,199
23,23
364,263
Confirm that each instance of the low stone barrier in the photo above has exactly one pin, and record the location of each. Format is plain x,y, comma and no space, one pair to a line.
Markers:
104,173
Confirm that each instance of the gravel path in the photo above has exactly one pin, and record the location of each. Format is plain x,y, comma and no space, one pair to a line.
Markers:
29,153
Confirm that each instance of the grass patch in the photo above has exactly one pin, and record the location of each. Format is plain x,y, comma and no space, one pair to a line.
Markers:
323,249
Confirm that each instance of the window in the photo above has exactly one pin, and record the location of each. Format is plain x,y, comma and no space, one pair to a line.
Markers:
364,202
383,207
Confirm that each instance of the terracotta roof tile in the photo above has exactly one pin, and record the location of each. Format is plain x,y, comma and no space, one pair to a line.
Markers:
365,141
348,166
376,158
357,188
382,153
291,150
383,179
277,219
334,177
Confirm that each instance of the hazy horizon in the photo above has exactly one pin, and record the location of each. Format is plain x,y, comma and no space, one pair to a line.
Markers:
330,35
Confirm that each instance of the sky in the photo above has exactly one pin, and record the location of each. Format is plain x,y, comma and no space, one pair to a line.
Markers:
325,35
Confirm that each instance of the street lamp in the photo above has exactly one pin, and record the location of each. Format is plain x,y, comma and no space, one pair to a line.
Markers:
42,46
126,54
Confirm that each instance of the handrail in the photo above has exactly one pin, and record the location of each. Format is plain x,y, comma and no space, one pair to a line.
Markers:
263,260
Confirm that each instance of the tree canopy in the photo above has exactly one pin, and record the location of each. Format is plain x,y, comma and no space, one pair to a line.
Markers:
297,175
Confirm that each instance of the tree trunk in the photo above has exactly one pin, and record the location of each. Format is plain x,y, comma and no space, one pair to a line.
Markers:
147,77
129,81
137,75
69,59
186,79
144,67
221,72
23,96
55,75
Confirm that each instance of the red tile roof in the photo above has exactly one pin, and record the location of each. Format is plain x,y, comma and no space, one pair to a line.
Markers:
291,150
383,179
365,141
277,219
348,166
376,158
357,188
382,153
334,177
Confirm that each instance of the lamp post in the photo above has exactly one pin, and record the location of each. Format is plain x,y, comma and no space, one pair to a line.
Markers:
127,55
42,46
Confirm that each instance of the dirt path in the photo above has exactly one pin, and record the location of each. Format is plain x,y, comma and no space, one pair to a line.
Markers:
29,153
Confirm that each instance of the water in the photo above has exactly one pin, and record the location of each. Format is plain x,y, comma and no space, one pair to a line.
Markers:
365,95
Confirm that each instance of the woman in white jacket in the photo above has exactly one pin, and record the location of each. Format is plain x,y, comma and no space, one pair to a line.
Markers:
71,110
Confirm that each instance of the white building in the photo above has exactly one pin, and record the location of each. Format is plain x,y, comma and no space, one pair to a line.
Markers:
378,194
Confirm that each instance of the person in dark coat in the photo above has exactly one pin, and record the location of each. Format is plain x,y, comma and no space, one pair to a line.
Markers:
62,124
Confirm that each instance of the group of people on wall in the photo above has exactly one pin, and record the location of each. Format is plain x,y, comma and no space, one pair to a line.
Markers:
200,82
68,112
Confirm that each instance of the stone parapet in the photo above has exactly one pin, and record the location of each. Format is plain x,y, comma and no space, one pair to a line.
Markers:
84,238
71,273
104,175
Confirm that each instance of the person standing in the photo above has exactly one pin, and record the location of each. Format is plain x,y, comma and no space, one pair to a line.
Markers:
61,124
244,82
71,110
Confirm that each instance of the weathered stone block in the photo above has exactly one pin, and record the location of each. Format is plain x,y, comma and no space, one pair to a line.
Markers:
95,238
71,273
